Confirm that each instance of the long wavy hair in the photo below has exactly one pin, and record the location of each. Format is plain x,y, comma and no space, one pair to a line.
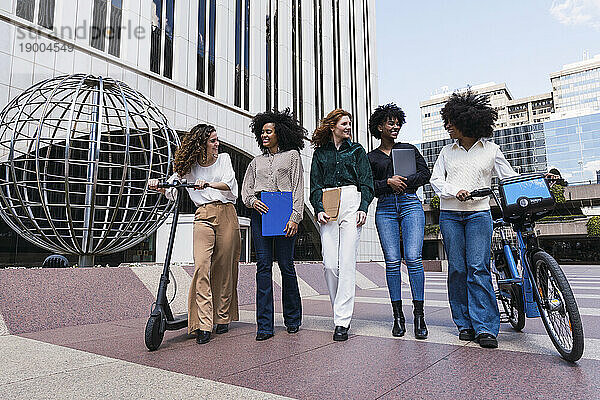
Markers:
323,133
290,134
192,149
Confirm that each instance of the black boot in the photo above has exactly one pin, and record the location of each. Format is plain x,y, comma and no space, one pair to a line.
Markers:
399,329
420,327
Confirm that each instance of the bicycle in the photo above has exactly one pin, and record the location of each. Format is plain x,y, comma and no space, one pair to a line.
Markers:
523,200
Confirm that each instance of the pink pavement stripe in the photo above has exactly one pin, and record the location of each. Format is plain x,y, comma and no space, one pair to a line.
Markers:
39,299
312,274
479,373
309,365
246,283
373,271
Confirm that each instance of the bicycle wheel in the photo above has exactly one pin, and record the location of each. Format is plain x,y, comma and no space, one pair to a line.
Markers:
516,310
558,308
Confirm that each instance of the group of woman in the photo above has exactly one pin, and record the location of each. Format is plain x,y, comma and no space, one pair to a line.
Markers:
342,164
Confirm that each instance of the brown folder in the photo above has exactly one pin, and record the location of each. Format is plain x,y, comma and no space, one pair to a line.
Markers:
331,202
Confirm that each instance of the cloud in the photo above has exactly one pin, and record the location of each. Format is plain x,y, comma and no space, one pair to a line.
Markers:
577,12
592,166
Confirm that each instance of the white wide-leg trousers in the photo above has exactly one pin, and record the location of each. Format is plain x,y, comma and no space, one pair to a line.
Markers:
339,241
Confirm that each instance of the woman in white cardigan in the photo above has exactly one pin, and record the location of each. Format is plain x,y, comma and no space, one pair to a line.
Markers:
466,224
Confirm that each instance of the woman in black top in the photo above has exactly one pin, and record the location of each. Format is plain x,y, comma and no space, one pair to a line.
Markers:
399,216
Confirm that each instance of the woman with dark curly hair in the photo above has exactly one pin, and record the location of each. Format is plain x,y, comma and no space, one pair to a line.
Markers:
213,292
466,225
399,218
338,163
278,169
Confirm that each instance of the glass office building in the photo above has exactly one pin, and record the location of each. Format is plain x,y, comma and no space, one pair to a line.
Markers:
523,146
573,147
577,86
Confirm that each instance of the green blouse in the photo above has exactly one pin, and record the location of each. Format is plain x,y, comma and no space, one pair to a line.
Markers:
334,168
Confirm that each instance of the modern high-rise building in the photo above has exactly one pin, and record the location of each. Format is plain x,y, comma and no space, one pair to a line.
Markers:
207,61
573,146
577,86
529,110
431,120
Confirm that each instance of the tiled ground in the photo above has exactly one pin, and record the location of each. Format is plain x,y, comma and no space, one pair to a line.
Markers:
308,365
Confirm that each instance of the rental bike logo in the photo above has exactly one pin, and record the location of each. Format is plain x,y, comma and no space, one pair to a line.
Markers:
28,39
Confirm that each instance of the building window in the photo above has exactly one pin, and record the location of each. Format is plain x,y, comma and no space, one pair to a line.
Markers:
276,57
169,37
98,28
26,10
294,59
200,59
98,32
316,13
336,55
156,34
212,21
114,39
272,61
268,60
247,57
46,14
237,98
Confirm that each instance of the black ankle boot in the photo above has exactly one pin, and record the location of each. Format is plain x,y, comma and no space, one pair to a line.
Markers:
420,327
399,329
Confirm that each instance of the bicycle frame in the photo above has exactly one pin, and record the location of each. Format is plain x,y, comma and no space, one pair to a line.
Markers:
526,250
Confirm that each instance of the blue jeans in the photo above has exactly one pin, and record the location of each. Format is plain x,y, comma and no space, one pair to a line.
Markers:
284,251
467,240
395,211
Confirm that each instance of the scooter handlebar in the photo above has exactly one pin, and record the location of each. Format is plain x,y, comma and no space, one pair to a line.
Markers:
175,184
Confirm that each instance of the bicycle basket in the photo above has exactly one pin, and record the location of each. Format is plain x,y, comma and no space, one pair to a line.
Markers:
525,195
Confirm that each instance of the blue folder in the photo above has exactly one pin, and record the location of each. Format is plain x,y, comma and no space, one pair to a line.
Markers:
280,210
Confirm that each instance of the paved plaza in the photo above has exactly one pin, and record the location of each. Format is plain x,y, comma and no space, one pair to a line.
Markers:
78,333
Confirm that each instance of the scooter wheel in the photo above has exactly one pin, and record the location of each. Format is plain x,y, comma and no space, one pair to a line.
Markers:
154,334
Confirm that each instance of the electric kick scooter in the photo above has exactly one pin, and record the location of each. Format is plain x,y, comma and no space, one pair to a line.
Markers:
161,317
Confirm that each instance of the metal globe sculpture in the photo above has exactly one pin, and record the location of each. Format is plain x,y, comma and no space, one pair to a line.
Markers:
76,153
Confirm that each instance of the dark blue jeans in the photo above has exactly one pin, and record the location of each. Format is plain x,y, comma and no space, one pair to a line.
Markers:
284,252
467,240
395,211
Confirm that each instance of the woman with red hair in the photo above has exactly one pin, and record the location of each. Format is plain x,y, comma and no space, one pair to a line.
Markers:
340,163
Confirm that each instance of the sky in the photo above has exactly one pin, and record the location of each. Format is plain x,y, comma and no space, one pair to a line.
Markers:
423,45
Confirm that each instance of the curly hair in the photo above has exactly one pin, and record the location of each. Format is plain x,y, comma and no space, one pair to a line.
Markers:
192,149
290,134
322,135
383,114
471,114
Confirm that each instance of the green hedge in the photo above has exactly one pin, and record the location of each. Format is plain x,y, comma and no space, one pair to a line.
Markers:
558,191
432,230
593,227
429,230
434,203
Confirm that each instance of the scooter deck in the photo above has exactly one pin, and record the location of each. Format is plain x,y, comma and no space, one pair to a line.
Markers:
178,322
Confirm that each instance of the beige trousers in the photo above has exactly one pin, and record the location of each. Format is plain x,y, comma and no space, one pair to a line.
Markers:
213,293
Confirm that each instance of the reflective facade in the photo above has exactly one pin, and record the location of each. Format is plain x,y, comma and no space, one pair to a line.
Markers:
573,146
577,86
523,146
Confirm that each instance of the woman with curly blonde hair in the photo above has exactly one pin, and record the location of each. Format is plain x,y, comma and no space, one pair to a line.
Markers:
212,298
339,163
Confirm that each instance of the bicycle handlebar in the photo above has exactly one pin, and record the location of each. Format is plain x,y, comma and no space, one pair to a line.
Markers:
479,193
